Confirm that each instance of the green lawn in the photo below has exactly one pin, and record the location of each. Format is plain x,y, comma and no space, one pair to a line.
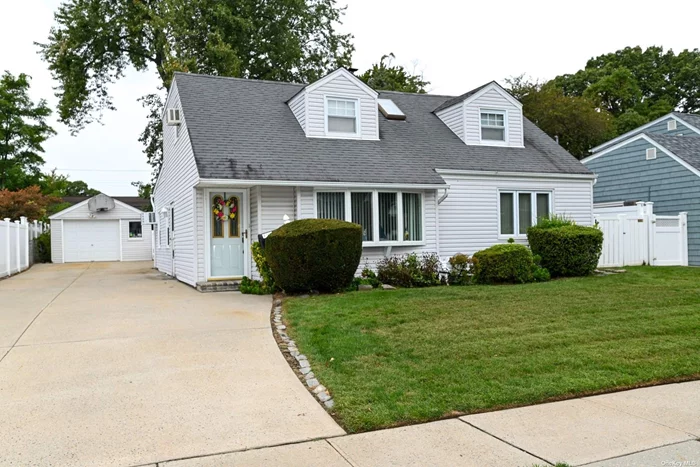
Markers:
396,357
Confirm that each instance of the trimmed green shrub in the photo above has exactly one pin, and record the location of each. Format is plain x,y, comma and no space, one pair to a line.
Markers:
460,270
553,222
539,274
506,263
314,254
567,251
410,270
42,248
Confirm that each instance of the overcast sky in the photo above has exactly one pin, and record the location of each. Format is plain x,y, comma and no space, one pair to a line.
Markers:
457,45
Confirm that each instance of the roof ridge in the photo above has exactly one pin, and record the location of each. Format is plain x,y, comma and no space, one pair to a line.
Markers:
380,91
233,78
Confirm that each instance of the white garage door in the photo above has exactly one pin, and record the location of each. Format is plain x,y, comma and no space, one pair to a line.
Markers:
85,241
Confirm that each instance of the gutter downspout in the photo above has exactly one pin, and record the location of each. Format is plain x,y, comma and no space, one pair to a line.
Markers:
444,196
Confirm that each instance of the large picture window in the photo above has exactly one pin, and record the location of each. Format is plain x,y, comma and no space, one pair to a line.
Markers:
519,210
386,217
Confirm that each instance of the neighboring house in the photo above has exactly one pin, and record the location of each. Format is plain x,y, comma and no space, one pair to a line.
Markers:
100,229
137,202
658,162
419,172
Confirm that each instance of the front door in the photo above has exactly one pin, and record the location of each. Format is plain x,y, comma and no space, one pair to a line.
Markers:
227,239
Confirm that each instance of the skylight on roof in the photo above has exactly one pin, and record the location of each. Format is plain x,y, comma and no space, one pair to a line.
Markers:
390,110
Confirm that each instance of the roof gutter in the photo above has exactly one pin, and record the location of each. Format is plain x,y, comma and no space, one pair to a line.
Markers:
227,182
495,173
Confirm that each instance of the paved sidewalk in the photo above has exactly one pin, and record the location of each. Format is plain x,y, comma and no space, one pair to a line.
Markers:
656,426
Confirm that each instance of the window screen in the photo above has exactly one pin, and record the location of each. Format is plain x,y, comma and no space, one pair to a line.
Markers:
524,212
507,214
493,126
342,117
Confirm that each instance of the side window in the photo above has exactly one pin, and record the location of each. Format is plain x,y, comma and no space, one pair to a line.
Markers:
135,230
234,222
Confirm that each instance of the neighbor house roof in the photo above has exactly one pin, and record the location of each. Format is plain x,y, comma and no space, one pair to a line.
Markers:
133,201
243,129
690,120
687,147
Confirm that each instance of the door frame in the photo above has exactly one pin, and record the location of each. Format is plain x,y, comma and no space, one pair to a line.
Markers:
245,225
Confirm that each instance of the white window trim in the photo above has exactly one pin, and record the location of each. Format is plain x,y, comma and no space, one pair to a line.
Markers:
134,239
516,210
491,142
358,123
375,214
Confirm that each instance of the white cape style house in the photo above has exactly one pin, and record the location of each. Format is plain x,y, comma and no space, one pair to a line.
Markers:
419,172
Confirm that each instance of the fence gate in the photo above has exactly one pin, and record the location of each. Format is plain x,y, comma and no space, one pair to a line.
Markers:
634,235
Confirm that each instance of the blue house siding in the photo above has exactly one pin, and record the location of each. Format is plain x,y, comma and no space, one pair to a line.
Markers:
624,174
661,128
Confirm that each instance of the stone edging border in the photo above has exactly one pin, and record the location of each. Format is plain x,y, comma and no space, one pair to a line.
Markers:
299,363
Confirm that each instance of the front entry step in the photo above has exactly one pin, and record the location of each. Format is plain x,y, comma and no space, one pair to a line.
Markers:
218,286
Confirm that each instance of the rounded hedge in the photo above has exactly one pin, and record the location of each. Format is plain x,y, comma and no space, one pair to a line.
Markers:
314,254
567,251
506,263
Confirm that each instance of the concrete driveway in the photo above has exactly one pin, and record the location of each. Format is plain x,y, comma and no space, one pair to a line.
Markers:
111,364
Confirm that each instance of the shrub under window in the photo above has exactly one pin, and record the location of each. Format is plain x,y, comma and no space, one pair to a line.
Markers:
314,254
566,250
507,263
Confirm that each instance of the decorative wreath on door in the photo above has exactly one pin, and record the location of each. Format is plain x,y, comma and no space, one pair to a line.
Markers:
219,207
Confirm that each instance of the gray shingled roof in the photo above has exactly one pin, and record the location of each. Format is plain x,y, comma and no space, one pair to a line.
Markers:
687,147
243,129
458,99
692,119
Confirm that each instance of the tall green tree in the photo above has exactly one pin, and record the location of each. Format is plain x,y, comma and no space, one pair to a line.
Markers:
23,130
58,185
94,42
384,76
575,121
638,85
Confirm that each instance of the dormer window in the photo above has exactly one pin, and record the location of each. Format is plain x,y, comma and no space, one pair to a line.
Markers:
493,125
341,116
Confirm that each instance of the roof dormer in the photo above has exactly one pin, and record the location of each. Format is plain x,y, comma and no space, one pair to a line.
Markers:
338,106
485,116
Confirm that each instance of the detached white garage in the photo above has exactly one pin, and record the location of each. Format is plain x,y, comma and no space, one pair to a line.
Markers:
100,229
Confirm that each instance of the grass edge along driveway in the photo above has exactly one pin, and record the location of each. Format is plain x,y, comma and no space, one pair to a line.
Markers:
414,355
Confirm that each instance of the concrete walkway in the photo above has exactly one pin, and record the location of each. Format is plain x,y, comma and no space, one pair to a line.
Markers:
656,426
109,364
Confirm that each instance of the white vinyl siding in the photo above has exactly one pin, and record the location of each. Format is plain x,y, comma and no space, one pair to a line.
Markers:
175,188
56,241
453,117
135,249
341,87
487,103
469,216
298,107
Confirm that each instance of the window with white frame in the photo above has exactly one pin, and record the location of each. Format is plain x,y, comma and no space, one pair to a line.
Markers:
385,216
341,116
493,125
519,210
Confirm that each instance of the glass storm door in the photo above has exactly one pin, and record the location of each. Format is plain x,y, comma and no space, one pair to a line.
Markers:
227,240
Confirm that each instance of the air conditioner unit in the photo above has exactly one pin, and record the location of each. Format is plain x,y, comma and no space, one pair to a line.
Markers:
174,117
148,218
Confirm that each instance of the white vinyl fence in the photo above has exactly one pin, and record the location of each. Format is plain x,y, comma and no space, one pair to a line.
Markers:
634,235
17,244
